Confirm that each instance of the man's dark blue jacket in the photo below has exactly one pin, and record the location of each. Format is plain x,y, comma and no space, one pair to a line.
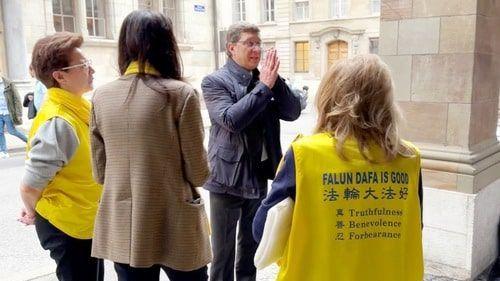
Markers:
245,115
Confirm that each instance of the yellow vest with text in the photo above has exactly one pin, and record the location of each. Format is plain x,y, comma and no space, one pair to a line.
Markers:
353,220
70,200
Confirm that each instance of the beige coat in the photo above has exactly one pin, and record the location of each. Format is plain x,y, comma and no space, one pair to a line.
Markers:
147,149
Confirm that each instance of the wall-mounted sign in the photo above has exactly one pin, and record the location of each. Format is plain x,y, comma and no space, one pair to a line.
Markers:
199,8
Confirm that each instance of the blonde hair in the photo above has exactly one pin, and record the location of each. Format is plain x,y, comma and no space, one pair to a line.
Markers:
355,99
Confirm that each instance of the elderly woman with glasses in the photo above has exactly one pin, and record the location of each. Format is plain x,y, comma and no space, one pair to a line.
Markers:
59,193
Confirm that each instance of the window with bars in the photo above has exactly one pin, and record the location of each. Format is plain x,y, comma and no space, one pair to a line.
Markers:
169,9
239,10
173,9
64,15
301,10
301,56
375,7
268,11
96,24
339,8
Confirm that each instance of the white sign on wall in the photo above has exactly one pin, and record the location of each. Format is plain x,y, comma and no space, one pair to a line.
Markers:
199,8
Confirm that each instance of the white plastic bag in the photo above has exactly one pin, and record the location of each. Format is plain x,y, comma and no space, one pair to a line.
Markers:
275,235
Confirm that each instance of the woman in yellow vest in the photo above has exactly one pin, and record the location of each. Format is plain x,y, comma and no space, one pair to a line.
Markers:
59,193
356,185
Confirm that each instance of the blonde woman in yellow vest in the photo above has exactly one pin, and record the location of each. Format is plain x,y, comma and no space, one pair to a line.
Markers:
356,185
58,190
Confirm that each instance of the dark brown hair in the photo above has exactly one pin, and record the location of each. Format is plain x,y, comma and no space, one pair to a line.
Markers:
234,33
52,53
147,36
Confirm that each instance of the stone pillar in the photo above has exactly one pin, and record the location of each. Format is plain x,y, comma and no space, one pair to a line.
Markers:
3,60
283,45
445,58
15,45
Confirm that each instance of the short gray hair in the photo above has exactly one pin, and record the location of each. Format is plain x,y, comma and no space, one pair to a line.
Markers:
234,32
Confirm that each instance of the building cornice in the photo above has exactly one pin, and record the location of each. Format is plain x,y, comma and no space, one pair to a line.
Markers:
335,20
337,29
101,42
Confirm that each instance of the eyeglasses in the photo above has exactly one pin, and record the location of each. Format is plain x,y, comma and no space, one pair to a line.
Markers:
251,44
86,64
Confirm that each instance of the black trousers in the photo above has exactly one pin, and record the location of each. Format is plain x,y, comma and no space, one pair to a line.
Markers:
127,273
71,255
225,213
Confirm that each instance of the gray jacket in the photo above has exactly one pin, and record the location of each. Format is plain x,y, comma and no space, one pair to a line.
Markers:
14,103
237,101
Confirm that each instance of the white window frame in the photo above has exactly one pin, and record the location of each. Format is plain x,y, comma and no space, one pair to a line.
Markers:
62,15
304,6
268,10
80,17
95,19
375,7
239,10
306,57
339,8
174,10
168,9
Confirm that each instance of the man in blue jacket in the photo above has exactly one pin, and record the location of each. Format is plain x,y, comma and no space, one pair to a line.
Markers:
245,107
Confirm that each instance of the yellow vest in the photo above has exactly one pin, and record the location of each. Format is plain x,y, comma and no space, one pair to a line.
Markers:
70,200
353,220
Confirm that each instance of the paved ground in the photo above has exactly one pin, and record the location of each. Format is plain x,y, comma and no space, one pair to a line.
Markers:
22,258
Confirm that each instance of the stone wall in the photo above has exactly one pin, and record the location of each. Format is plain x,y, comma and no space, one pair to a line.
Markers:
444,56
196,41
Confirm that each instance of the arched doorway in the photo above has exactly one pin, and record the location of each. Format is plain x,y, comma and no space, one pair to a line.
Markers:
337,50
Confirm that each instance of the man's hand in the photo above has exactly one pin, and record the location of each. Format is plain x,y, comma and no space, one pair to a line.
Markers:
26,217
269,71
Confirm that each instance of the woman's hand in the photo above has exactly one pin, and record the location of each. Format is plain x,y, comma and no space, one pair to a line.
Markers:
30,197
26,217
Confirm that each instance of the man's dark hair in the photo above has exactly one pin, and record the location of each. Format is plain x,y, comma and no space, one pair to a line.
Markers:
52,53
147,36
234,33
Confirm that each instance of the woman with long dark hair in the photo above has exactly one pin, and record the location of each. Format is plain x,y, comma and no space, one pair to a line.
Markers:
147,145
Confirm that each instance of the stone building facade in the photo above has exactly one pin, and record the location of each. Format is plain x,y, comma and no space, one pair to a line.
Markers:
24,22
309,35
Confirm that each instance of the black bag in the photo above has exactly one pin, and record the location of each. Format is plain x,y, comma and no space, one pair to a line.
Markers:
30,104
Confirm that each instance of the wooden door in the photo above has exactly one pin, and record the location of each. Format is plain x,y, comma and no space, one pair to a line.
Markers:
337,50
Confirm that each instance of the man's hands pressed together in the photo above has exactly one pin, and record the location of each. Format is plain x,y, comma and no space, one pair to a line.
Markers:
270,66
